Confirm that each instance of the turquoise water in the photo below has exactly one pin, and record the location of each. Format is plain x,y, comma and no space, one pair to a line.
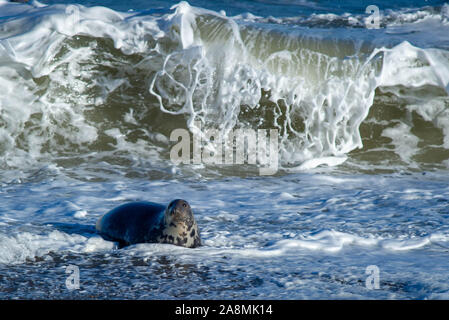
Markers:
90,93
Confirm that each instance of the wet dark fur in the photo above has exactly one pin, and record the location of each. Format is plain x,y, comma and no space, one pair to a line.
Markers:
141,222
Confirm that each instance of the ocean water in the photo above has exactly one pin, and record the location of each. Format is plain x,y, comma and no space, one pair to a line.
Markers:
358,208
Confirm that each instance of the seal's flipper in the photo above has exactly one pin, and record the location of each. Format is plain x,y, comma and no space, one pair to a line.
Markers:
121,244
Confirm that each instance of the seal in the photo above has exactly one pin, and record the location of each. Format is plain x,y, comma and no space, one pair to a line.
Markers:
143,222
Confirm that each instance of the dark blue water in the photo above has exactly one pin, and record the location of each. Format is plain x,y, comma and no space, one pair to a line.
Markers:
265,8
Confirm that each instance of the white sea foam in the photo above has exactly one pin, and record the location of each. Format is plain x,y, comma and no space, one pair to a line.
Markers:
405,142
327,241
27,246
22,246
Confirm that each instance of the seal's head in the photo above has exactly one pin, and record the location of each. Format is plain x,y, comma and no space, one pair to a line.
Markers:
179,211
180,226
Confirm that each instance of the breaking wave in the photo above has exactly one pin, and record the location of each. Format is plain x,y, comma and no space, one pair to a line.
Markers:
80,84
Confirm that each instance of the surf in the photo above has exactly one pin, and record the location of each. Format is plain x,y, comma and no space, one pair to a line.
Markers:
94,84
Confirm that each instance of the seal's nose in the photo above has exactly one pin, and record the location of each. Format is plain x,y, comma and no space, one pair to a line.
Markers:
178,206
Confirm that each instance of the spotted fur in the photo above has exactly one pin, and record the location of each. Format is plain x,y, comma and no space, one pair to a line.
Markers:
180,227
177,234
